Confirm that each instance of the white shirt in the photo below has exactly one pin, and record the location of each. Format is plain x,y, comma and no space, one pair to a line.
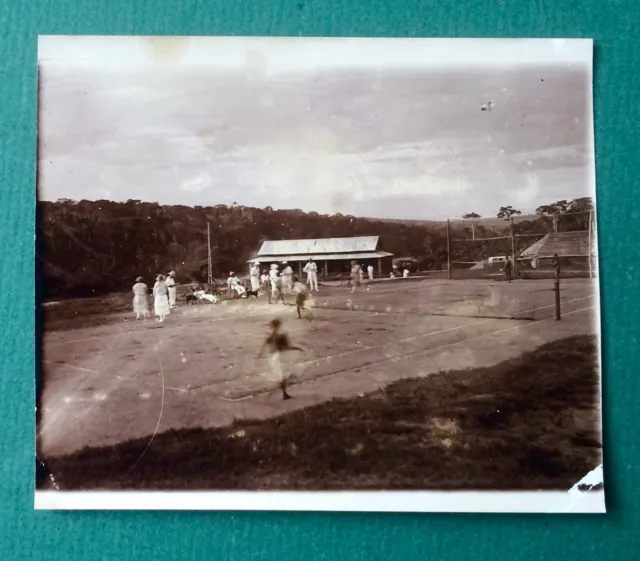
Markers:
287,272
255,271
310,267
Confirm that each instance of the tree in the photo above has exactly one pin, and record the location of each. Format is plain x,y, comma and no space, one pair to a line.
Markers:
508,212
472,216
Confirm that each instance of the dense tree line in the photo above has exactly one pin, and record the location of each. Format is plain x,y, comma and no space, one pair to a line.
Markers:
88,247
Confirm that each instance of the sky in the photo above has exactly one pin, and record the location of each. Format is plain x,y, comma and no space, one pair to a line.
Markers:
378,128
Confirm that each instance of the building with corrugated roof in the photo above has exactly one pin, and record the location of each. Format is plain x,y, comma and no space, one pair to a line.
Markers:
332,255
575,248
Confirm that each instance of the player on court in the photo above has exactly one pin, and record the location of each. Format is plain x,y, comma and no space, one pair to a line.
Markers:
273,278
355,276
254,274
287,278
276,343
303,298
312,275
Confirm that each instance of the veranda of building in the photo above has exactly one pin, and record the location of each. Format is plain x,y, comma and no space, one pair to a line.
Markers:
331,255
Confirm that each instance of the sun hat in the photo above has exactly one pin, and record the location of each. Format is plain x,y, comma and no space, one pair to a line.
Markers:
173,273
139,279
160,278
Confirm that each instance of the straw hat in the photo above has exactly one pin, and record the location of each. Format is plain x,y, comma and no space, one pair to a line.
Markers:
139,279
284,262
160,278
173,273
231,274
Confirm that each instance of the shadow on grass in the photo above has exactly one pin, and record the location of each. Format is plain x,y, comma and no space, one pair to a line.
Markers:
525,424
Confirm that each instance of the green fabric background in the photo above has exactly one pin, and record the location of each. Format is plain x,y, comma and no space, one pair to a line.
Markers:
26,534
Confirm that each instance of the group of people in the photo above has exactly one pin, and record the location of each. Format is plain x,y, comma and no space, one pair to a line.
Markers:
164,297
274,281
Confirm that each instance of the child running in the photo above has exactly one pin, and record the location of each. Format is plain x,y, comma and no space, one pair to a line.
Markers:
276,343
303,298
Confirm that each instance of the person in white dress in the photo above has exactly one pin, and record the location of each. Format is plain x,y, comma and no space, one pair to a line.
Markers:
370,272
312,275
405,274
254,274
140,299
171,286
287,278
161,298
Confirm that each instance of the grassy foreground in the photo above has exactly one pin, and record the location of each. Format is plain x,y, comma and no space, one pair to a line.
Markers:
528,423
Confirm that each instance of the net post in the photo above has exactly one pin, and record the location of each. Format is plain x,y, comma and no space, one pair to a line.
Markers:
448,249
556,287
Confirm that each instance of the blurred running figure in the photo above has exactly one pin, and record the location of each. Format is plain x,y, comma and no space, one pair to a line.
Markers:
287,278
171,286
303,298
276,343
312,275
356,272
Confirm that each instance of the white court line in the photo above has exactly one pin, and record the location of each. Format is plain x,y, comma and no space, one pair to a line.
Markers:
405,340
47,343
70,366
432,349
408,355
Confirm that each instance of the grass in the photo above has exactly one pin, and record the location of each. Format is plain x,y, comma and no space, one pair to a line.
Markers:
525,424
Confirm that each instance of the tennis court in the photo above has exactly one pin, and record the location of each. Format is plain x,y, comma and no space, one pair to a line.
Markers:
128,379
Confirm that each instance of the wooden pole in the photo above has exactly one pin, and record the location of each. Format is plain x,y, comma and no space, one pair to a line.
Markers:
556,265
513,248
589,249
448,250
209,265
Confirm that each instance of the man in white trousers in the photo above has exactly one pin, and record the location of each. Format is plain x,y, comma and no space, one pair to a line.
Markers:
370,271
312,275
171,286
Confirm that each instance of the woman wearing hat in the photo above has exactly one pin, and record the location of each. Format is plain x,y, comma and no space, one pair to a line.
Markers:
171,285
161,298
140,301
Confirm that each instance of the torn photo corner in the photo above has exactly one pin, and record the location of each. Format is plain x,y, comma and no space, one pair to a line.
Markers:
317,274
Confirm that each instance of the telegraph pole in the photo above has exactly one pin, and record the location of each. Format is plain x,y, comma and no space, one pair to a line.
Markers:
209,268
513,247
448,250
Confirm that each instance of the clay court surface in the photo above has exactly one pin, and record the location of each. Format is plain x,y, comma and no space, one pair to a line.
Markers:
126,379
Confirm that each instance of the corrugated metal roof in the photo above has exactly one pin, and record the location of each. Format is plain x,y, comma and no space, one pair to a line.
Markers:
320,256
565,244
319,246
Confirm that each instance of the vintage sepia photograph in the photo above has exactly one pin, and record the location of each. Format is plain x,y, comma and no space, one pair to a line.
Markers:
317,274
